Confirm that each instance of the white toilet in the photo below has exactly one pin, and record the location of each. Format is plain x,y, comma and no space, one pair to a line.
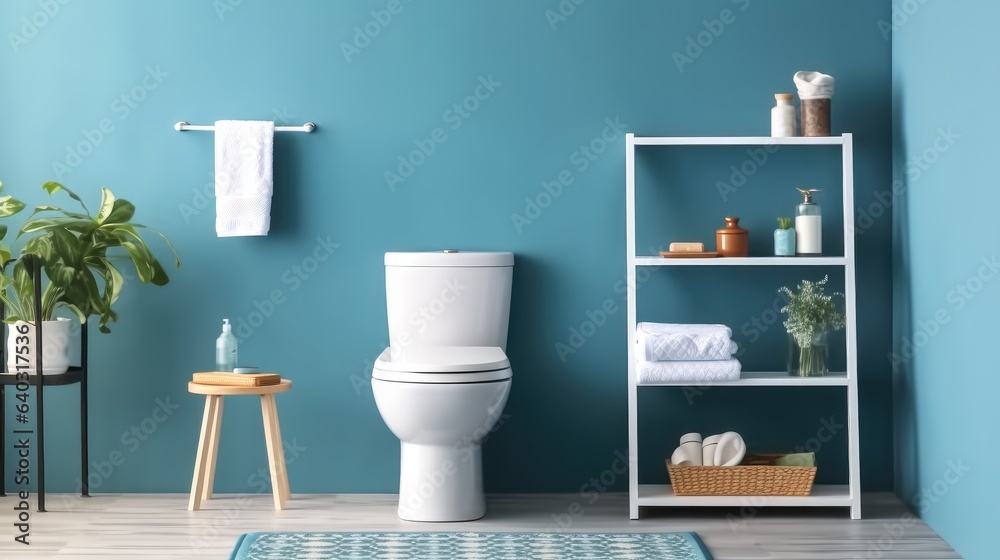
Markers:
443,382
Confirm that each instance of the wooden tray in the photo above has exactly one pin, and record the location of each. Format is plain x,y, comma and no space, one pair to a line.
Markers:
689,254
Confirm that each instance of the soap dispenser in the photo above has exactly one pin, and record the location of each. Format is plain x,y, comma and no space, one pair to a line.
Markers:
225,348
808,225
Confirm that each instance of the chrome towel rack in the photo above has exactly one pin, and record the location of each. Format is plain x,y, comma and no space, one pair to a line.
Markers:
181,126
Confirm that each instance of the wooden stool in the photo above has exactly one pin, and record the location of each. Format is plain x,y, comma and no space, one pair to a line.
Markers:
208,444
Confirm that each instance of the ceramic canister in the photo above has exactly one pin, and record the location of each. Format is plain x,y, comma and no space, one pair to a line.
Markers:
732,240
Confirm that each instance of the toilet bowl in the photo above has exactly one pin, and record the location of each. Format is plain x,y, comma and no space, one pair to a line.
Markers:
443,382
441,402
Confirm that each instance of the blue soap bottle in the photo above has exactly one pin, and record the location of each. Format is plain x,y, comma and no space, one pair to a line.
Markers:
225,348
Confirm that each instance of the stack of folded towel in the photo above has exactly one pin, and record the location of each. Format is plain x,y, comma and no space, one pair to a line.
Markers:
669,352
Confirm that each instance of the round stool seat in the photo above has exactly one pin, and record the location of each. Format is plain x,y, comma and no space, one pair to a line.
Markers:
226,390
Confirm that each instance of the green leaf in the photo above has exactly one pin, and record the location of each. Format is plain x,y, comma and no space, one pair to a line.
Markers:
47,208
76,311
10,206
107,203
121,212
177,258
142,262
52,187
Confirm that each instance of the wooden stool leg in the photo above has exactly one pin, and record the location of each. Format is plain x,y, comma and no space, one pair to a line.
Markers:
198,482
213,449
281,454
274,450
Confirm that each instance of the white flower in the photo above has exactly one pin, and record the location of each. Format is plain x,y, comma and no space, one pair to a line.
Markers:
810,311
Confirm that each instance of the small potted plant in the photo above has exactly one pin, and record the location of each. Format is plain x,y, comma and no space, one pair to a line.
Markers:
812,315
73,251
784,238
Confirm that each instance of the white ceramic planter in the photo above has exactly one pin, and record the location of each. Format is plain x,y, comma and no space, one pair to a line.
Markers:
55,346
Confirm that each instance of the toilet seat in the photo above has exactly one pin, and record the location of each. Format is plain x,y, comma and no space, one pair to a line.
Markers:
443,364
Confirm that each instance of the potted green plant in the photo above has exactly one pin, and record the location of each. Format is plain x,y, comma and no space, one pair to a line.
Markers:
77,252
812,315
784,238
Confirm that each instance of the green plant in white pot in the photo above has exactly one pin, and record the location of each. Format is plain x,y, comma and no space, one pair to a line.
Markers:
78,253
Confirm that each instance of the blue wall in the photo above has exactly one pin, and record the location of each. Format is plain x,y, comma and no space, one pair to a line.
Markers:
946,259
557,83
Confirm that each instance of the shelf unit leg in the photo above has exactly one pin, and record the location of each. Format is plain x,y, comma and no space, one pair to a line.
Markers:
633,422
84,444
3,433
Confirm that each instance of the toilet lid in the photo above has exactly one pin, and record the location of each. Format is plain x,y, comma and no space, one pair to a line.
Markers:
443,364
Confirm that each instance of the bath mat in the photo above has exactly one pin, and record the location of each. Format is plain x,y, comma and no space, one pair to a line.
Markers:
479,546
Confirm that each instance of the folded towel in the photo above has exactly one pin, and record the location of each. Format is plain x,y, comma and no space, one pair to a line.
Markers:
705,370
813,85
670,341
243,177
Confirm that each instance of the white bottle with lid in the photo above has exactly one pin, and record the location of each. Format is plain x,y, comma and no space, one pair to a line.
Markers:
808,225
783,116
225,348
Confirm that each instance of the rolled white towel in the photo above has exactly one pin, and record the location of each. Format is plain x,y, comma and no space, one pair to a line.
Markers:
672,372
672,341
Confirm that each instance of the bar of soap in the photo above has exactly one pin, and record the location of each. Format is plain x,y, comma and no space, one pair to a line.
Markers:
684,247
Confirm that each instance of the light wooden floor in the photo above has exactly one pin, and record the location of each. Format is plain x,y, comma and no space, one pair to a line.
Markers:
159,526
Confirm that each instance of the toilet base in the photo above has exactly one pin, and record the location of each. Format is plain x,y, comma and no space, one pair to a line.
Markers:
441,483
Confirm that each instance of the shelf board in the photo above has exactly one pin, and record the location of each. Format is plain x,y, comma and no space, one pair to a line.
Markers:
764,379
737,141
823,495
741,261
73,375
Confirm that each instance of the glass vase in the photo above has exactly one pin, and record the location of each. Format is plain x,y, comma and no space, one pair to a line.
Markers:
809,360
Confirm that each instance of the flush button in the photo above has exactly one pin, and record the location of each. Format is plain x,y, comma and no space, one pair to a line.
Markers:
451,250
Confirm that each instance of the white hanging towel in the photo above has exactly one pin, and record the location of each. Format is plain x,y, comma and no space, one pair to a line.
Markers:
244,181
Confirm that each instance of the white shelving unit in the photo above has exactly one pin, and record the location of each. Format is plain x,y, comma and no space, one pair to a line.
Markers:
661,495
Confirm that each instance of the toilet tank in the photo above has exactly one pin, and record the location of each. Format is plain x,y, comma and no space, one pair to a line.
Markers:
448,298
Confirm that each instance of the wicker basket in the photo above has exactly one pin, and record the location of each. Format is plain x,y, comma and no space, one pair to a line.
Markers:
762,478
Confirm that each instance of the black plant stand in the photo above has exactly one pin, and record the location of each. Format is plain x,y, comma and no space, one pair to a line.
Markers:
72,376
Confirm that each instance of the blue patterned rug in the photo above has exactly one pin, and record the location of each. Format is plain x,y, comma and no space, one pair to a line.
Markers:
470,546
